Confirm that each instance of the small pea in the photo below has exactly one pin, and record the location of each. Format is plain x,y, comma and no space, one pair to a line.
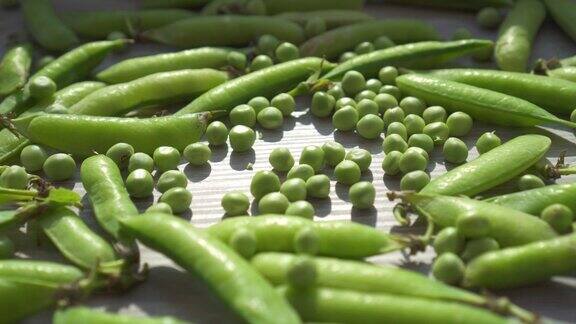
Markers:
140,160
235,203
391,163
302,273
216,133
461,33
394,142
345,119
489,18
120,153
347,172
449,240
301,171
459,124
59,167
383,42
322,104
294,189
385,101
237,60
244,242
171,179
364,48
412,161
241,138
419,151
243,115
391,90
422,141
264,182
438,131
391,115
472,225
301,208
362,195
344,102
270,118
259,103
347,56
361,157
412,105
306,241
313,156
449,269
41,87
14,177
166,158
434,114
284,102
414,124
353,82
318,186
336,91
6,248
281,159
397,128
260,62
178,198
367,107
273,203
334,153
373,85
267,44
314,26
477,247
32,158
487,142
365,94
388,75
530,181
415,180
455,150
370,126
160,208
287,52
197,154
140,183
559,217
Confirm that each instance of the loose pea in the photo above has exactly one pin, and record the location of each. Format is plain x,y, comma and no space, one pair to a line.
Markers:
461,33
449,269
365,94
343,102
345,119
361,157
353,82
419,151
171,179
530,181
140,183
120,153
422,141
373,85
264,182
178,198
301,208
259,103
284,102
438,131
198,153
166,158
364,48
336,91
322,104
237,60
273,203
397,128
313,156
281,159
241,138
14,177
477,247
294,189
160,208
414,124
391,90
287,52
243,115
334,153
449,240
412,105
472,225
455,150
6,248
347,172
59,167
487,142
388,75
32,158
41,87
244,242
301,171
314,26
559,217
260,62
391,163
140,160
394,142
302,274
235,203
459,123
415,180
385,101
306,241
434,114
391,115
489,18
346,56
383,42
367,107
318,186
267,44
412,161
370,126
216,133
362,195
270,118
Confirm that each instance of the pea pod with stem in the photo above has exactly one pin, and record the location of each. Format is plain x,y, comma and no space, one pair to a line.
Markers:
564,14
565,73
87,315
336,41
482,104
15,69
46,27
231,277
332,17
472,5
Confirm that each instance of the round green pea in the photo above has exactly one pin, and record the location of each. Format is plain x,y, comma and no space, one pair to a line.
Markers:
391,163
281,159
261,62
301,208
178,198
267,44
140,160
197,154
344,102
397,128
487,142
287,52
530,181
347,172
171,179
294,189
120,153
414,124
270,118
434,114
237,60
284,102
559,216
264,182
336,91
374,86
365,94
353,82
412,161
14,177
306,241
216,133
391,90
370,126
412,105
394,142
388,75
273,203
459,124
32,158
243,115
385,101
322,104
362,195
6,248
438,131
241,138
477,247
395,114
367,107
422,141
301,171
383,42
334,153
361,157
449,269
415,180
41,87
318,186
244,242
166,158
160,208
314,26
472,225
140,183
345,119
489,18
302,273
419,151
455,150
347,56
59,167
235,203
449,240
313,156
364,48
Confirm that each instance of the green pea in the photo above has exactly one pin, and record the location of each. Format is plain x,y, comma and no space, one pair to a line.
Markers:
334,153
412,161
353,82
487,142
415,180
160,208
287,52
385,101
391,115
270,118
449,269
241,138
140,160
264,182
273,203
559,217
461,33
216,133
166,158
178,198
370,126
397,128
391,90
314,26
32,158
477,247
306,240
261,62
345,119
198,153
434,114
243,115
140,183
449,240
394,142
237,60
281,159
459,124
422,141
374,86
362,195
302,273
318,186
294,189
301,171
313,156
472,225
419,151
361,157
301,208
235,203
244,242
259,103
414,124
120,153
367,107
322,104
41,87
365,94
344,102
14,177
346,56
455,150
489,18
6,248
388,75
383,42
530,181
438,131
284,102
391,163
267,44
336,91
59,167
171,179
412,105
364,48
347,172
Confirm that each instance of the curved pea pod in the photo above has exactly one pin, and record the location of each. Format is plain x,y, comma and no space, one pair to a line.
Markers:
482,104
86,315
332,17
318,304
462,5
415,55
565,73
535,200
523,265
14,69
83,135
555,95
275,6
224,31
156,89
266,82
507,226
134,68
173,3
45,26
275,233
99,24
336,41
231,277
564,14
517,32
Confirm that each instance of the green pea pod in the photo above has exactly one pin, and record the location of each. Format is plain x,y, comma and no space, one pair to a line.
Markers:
86,315
523,265
231,277
564,14
275,233
14,69
39,272
517,32
482,104
99,24
415,55
13,219
569,61
451,4
266,82
492,168
345,306
162,88
336,41
332,17
197,58
84,135
565,73
45,26
173,3
507,226
224,31
275,6
556,96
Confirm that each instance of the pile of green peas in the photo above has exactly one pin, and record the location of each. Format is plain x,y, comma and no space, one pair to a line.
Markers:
270,50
